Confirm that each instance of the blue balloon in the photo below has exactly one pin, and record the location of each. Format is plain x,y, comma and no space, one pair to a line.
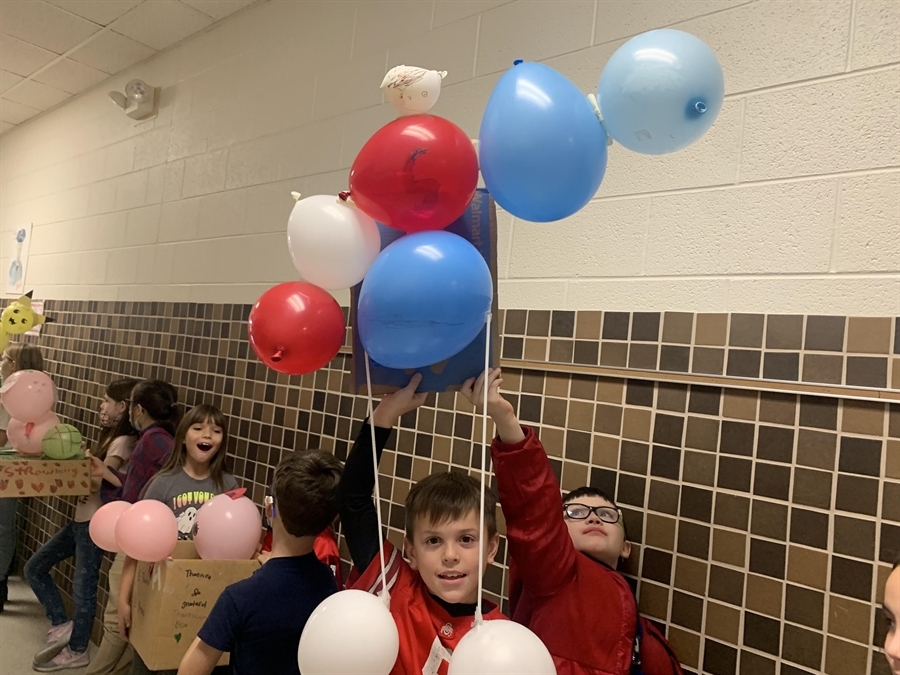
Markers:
424,299
661,91
541,147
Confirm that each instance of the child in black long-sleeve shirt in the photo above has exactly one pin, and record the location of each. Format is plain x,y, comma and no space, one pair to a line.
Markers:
433,596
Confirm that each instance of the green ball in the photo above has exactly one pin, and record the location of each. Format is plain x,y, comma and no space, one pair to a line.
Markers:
62,442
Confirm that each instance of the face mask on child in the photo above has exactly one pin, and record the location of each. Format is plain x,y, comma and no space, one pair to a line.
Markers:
137,427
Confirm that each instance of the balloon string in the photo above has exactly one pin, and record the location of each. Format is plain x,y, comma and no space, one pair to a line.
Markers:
484,422
385,594
595,104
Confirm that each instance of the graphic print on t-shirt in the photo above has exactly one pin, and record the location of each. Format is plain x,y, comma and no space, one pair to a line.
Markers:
438,659
185,506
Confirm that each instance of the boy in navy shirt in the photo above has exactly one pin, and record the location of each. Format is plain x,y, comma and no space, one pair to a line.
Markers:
260,619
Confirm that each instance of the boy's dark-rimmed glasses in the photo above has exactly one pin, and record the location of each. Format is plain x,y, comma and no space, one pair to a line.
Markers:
575,511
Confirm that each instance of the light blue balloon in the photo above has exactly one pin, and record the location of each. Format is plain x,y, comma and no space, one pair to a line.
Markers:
661,91
424,299
541,147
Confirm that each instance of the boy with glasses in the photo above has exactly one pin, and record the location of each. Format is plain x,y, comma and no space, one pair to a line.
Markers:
563,558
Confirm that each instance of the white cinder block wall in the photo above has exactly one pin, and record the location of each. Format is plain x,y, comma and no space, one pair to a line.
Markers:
790,204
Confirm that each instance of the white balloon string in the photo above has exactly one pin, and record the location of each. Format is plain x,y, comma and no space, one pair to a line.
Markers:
595,104
385,594
484,422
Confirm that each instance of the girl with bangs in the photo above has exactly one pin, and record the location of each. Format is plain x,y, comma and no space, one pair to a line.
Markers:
195,473
195,466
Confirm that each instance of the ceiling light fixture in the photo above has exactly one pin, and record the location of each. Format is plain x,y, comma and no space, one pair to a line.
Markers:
139,101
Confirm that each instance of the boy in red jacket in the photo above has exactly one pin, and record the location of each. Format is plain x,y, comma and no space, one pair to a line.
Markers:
564,585
433,596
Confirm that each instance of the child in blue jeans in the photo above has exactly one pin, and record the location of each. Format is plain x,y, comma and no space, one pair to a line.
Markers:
67,641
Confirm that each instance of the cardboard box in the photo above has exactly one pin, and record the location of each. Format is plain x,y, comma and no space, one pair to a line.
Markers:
171,600
478,225
25,477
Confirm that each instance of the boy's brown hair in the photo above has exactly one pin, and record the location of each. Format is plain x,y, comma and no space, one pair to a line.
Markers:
306,491
443,497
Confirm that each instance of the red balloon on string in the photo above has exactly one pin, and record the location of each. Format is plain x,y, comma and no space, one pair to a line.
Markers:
296,328
416,173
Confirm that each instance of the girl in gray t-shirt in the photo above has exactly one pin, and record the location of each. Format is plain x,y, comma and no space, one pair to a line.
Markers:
196,470
195,473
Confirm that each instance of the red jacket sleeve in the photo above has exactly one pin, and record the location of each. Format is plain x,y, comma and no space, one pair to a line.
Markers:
326,550
536,533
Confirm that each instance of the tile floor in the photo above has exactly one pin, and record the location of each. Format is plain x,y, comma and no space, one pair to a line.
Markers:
23,630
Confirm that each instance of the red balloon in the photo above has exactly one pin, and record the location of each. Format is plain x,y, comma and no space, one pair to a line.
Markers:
296,328
416,173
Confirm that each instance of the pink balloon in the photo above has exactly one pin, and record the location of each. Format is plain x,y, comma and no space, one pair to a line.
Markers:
28,395
227,529
103,525
26,437
147,531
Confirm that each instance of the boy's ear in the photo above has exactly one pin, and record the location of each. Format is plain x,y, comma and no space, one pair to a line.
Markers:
493,547
410,553
269,507
626,550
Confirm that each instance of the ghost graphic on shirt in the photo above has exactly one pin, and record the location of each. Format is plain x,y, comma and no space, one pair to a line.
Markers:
186,522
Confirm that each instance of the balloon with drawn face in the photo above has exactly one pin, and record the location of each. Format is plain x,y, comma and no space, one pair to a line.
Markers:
412,90
28,395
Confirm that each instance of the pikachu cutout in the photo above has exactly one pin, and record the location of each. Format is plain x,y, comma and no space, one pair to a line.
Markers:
19,318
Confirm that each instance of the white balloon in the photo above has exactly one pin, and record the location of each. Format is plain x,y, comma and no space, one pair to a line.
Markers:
412,90
349,632
332,244
501,648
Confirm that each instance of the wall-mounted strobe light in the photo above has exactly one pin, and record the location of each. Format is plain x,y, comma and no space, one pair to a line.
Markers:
139,100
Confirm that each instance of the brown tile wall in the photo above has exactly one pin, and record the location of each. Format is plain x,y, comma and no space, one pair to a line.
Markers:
832,350
763,521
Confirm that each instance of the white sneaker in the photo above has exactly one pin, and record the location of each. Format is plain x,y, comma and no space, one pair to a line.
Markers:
57,638
65,659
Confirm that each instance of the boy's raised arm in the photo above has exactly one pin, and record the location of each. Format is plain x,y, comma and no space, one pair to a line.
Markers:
539,541
359,520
